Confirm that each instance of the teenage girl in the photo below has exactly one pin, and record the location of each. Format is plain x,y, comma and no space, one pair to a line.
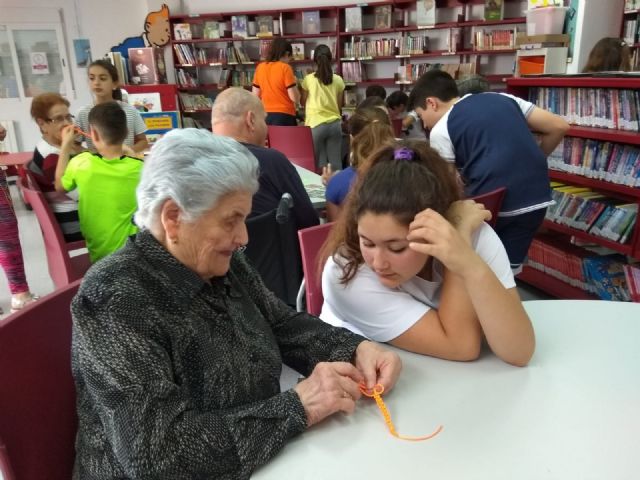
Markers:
276,85
105,86
322,97
411,265
369,129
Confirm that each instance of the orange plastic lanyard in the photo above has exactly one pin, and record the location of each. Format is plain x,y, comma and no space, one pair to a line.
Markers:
376,393
77,129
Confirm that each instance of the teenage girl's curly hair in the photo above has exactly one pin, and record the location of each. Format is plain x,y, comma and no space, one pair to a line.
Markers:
389,186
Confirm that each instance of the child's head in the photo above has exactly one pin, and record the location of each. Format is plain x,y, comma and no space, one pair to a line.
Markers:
398,182
397,103
375,91
104,81
609,54
431,95
472,84
322,58
374,101
51,112
281,50
370,128
108,124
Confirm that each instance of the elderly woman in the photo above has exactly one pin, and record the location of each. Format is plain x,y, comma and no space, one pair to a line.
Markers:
178,346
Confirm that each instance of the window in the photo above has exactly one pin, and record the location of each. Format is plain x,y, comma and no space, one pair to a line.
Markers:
33,57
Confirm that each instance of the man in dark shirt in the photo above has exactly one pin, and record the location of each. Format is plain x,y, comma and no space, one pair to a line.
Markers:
238,114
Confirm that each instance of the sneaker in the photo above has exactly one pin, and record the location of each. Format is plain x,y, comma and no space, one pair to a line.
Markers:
20,303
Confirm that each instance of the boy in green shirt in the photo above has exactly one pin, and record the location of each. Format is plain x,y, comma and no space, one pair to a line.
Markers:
106,181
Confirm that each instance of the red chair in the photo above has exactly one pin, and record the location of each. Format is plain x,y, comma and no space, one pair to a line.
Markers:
38,421
296,143
397,127
492,201
63,268
311,240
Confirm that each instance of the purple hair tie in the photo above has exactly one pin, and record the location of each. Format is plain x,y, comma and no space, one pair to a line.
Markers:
403,153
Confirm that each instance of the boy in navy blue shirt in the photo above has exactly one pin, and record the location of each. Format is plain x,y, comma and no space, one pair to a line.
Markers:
488,138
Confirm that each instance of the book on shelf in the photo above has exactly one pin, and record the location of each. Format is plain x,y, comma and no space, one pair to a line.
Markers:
182,31
298,50
239,26
265,48
223,79
454,39
493,9
382,17
311,22
632,276
211,29
264,26
147,66
426,13
145,102
119,62
353,19
350,98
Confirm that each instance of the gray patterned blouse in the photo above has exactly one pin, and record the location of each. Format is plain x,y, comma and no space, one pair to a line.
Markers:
178,378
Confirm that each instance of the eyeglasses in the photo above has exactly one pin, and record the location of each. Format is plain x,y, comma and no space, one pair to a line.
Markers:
61,118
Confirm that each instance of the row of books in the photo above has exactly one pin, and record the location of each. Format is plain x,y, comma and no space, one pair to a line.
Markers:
591,107
602,275
630,30
191,122
353,72
236,78
363,48
410,73
186,78
611,162
495,39
631,5
190,101
589,211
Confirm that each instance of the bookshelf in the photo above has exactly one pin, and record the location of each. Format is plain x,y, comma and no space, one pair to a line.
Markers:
629,30
598,165
205,46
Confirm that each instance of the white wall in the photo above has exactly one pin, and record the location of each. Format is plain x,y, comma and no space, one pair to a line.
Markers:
596,19
104,22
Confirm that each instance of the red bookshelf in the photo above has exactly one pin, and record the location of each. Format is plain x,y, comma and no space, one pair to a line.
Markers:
520,87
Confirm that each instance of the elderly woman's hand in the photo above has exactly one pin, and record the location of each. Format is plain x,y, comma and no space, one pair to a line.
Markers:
331,387
378,365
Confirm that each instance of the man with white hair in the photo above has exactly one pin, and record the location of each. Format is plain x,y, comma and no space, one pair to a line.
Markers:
240,115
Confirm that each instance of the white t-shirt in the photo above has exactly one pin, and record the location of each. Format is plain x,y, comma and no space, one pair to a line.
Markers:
368,308
440,140
135,123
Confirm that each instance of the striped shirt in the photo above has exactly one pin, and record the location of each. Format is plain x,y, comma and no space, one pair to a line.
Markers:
135,124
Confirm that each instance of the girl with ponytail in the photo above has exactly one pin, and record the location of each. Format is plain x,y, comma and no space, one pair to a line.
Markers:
369,129
322,97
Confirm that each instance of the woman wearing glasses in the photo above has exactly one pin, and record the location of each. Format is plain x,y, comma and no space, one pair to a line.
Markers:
51,112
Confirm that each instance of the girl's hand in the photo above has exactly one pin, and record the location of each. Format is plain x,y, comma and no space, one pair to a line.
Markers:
431,234
68,134
467,216
327,173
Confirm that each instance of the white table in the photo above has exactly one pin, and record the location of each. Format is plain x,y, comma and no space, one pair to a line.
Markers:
313,185
573,413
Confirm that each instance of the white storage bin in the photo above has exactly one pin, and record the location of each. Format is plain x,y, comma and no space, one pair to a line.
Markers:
545,20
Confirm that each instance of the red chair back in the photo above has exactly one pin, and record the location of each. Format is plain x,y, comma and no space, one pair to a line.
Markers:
63,268
311,240
296,143
38,421
492,201
397,127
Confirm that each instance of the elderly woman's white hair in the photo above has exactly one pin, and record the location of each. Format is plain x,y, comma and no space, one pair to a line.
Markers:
195,168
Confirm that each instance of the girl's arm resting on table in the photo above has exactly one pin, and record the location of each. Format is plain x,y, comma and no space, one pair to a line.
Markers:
451,332
504,320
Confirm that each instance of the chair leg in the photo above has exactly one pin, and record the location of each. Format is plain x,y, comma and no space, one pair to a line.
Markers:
300,307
